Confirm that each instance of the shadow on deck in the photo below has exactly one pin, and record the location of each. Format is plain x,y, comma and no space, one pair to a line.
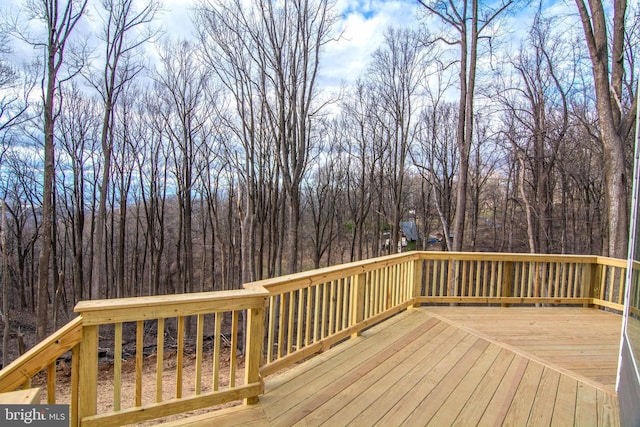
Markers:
451,366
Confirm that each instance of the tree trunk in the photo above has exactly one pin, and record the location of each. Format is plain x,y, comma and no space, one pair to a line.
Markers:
5,287
608,98
47,199
293,231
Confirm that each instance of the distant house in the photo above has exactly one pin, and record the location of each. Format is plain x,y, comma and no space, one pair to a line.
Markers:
410,231
408,234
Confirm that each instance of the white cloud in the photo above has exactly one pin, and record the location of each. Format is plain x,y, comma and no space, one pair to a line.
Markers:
362,26
362,30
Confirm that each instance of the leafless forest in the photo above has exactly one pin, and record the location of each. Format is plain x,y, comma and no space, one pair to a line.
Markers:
133,162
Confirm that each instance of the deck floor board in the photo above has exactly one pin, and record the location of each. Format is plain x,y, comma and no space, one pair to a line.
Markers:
402,386
403,408
585,341
474,408
564,409
452,366
358,397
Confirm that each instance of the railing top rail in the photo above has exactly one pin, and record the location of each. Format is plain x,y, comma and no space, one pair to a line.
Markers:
41,355
613,262
312,277
97,312
500,256
295,281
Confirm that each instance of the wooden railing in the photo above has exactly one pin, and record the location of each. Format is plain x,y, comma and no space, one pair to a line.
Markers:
103,321
310,311
523,279
44,356
281,321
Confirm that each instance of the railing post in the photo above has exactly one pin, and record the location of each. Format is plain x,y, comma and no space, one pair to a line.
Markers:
255,343
357,315
507,281
597,280
590,281
88,374
417,281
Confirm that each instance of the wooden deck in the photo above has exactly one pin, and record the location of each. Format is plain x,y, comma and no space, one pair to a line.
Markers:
451,366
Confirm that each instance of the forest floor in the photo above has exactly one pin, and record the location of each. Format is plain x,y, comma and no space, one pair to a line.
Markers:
106,382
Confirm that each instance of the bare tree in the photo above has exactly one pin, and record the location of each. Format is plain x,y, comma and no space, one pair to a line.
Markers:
276,58
151,165
181,84
78,138
396,72
468,19
537,110
360,163
581,165
10,112
485,156
435,153
323,191
20,192
125,30
58,19
15,91
4,313
125,148
616,106
229,53
436,157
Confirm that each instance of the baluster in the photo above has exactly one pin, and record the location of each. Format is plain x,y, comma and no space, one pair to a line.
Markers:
139,359
199,351
291,303
217,350
300,325
416,280
51,383
233,362
506,275
271,332
358,313
179,357
307,325
117,366
316,314
75,385
159,359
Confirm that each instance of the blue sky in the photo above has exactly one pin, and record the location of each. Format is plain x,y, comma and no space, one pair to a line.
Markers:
362,26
